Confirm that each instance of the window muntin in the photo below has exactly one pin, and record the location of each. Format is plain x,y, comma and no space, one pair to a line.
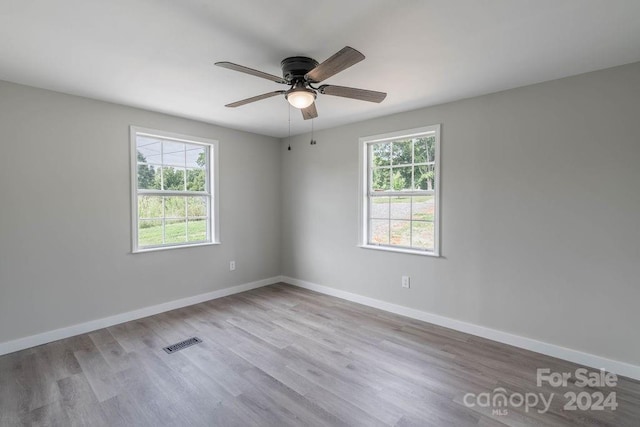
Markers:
172,183
400,191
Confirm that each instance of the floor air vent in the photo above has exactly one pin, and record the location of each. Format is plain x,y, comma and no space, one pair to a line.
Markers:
182,344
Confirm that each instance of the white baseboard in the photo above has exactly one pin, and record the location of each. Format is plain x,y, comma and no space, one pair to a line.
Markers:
586,359
69,331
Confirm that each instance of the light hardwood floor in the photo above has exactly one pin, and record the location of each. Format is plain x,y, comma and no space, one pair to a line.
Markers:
283,356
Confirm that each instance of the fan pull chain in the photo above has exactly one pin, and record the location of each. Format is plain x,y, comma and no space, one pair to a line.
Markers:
289,128
313,141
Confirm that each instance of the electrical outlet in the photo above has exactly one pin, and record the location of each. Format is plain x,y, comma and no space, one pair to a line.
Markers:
232,265
406,282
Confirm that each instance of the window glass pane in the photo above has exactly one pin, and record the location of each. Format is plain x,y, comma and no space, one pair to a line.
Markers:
381,154
379,232
197,230
196,180
173,153
431,148
400,233
149,232
379,207
196,206
401,208
175,231
420,150
425,177
148,177
381,179
401,178
173,178
196,156
423,235
423,208
149,207
174,207
148,149
401,152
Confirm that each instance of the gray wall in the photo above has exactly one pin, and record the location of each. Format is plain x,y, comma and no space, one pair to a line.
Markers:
65,235
540,213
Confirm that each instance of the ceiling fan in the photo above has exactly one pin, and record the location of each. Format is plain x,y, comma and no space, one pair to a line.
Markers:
301,73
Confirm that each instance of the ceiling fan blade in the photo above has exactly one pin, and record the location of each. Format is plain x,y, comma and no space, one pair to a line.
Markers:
340,61
310,112
247,70
351,92
255,98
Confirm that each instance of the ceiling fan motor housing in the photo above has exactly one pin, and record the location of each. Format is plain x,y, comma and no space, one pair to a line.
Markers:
295,67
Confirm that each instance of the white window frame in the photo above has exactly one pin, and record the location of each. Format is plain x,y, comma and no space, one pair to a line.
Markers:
212,191
364,190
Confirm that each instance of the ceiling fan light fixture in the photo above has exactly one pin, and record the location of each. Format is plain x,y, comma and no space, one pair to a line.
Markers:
301,97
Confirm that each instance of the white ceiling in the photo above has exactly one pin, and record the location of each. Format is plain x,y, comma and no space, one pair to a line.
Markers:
159,54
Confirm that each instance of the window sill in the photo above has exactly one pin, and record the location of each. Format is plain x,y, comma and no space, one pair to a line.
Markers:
400,250
166,248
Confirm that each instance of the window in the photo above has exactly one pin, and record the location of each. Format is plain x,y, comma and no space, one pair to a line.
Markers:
173,180
399,187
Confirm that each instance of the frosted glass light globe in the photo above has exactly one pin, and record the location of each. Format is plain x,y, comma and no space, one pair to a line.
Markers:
301,98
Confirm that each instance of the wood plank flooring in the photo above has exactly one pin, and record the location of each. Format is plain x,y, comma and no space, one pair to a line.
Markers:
284,356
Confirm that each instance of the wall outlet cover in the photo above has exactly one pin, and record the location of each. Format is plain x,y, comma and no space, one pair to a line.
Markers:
406,282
